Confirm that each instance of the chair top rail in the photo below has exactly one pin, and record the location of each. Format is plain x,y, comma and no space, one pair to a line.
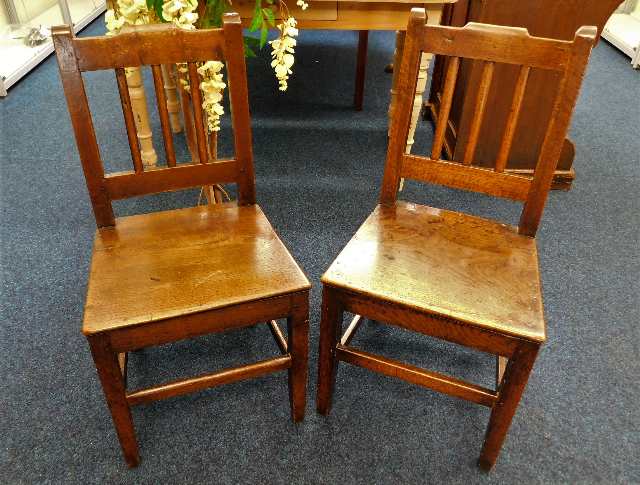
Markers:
154,44
497,43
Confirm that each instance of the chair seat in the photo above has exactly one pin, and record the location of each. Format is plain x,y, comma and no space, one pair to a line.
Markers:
445,263
155,266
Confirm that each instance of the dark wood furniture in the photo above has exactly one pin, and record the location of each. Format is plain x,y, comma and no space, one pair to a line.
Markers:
162,277
361,68
544,18
449,275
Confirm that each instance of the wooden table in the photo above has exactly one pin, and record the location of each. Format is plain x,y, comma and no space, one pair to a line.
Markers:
364,16
361,16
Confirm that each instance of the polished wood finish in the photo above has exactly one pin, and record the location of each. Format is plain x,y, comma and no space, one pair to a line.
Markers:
129,121
353,327
114,388
453,276
178,46
414,375
198,115
445,108
278,336
330,328
512,120
544,18
361,68
163,111
238,96
510,391
351,14
162,277
206,381
250,262
490,44
477,179
458,266
122,185
136,46
478,118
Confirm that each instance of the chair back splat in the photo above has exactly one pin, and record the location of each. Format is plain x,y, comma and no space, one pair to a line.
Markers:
148,45
488,44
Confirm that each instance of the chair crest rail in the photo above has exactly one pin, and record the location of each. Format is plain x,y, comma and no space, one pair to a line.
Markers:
496,43
98,53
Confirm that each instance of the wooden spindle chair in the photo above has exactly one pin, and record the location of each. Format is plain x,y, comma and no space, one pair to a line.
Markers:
162,277
449,275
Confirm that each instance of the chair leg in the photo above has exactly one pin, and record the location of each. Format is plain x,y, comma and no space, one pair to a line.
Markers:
298,346
330,327
513,383
113,386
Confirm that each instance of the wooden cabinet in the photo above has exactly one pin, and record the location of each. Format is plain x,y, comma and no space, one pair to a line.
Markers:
544,18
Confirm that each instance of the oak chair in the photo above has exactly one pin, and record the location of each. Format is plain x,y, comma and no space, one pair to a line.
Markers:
162,277
453,276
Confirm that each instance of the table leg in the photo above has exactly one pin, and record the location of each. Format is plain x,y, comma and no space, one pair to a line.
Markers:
141,116
425,61
363,42
434,16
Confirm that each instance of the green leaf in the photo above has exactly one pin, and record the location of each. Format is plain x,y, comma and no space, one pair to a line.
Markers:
251,44
257,19
213,13
264,32
268,13
158,8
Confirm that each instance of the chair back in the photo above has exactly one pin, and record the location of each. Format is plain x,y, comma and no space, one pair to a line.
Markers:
156,45
490,45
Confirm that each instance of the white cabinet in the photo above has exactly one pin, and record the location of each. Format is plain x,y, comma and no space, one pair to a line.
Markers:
17,17
623,30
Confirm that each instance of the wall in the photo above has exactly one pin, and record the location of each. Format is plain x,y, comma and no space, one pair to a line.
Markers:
27,9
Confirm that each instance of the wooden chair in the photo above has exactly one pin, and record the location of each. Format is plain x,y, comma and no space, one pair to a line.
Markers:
162,277
449,275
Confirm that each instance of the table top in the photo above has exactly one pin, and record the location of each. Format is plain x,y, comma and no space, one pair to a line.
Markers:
388,1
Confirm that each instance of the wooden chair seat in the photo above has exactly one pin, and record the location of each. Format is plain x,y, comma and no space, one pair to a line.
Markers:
448,264
150,267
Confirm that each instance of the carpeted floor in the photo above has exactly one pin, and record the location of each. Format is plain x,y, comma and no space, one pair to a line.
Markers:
318,165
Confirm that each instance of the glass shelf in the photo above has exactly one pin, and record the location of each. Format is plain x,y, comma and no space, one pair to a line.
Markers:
18,16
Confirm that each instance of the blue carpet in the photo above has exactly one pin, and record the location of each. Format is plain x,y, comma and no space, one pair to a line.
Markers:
319,165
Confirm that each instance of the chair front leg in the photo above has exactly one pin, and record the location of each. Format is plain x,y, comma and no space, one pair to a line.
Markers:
298,346
113,386
510,391
330,327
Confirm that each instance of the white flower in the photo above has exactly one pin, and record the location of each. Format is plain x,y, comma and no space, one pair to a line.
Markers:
183,71
126,12
212,86
113,22
134,11
282,50
181,12
302,4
